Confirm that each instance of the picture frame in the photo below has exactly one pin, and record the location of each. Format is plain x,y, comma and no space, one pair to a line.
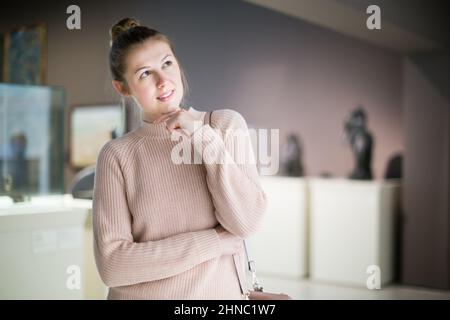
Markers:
2,56
25,55
90,128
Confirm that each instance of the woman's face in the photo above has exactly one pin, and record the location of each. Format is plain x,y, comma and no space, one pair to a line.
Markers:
153,78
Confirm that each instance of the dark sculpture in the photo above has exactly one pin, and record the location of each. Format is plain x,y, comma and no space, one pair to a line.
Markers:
394,167
360,139
291,157
18,161
15,177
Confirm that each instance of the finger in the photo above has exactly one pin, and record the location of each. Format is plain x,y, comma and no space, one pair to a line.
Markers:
181,131
173,122
175,128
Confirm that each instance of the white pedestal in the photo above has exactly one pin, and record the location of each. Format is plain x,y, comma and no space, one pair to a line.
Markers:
280,247
39,240
352,229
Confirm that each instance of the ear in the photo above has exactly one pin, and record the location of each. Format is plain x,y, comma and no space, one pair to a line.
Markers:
120,88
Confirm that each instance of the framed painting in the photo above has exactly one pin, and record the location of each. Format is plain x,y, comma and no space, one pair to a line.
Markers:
2,55
91,126
25,55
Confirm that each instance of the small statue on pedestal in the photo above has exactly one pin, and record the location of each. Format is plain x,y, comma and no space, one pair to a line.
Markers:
361,141
291,154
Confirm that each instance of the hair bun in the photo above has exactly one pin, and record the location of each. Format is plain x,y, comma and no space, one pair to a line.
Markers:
122,26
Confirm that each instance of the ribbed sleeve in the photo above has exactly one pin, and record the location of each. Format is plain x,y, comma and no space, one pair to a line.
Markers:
123,261
232,176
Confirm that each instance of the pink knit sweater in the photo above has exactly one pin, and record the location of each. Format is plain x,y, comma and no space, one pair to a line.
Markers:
154,220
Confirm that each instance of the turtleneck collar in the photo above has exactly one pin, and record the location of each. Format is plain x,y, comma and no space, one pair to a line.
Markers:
153,129
158,129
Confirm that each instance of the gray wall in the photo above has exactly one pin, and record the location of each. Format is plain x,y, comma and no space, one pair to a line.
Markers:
277,71
426,223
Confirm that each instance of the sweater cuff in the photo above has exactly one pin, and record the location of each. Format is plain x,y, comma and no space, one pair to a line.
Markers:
207,243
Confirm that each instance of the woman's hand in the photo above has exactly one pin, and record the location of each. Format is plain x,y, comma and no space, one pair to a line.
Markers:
230,243
182,121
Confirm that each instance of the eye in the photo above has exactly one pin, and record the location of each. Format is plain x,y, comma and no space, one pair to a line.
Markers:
168,63
145,74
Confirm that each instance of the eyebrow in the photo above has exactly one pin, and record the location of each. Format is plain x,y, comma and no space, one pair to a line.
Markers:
168,55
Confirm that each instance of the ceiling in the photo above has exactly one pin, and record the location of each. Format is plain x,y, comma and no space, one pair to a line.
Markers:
407,26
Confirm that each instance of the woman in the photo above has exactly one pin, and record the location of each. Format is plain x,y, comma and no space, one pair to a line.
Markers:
167,230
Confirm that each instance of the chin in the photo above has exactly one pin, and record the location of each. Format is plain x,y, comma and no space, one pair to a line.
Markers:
175,104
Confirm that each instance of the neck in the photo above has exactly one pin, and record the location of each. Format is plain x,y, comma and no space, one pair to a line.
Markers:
149,128
150,118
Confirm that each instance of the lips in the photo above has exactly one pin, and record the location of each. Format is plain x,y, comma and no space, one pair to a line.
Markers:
166,96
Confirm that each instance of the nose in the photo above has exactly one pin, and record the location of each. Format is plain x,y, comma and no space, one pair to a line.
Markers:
162,81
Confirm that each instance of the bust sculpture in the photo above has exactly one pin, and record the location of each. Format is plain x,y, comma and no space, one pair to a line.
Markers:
361,142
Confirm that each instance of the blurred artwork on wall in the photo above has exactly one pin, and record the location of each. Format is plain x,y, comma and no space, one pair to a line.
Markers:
91,126
360,139
2,55
25,55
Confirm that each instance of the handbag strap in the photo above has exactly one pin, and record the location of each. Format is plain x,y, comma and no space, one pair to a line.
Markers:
208,116
251,267
250,262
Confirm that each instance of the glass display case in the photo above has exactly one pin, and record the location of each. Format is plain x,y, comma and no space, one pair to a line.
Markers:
31,140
